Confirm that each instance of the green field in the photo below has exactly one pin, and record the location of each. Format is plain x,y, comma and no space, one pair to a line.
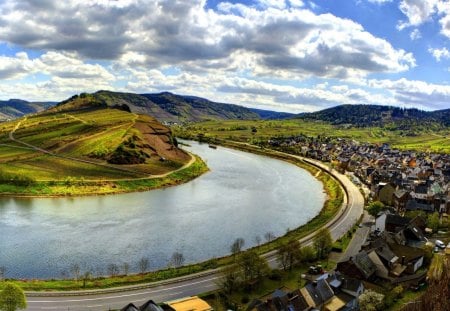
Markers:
76,147
240,130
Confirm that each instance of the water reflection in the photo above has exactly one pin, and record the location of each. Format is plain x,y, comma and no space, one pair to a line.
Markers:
244,195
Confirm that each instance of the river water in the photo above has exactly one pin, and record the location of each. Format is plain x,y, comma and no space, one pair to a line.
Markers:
244,195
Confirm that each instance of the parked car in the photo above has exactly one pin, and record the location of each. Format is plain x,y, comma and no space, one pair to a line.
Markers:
439,244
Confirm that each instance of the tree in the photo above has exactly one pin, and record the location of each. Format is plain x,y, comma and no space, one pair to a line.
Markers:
289,254
12,298
307,254
257,240
253,267
433,221
86,277
177,259
2,273
237,246
125,268
230,279
143,264
371,301
75,269
374,208
323,243
113,269
269,236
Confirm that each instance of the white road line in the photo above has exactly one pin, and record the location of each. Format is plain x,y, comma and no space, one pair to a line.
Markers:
125,295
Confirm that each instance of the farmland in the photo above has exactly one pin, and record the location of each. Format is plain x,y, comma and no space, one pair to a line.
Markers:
434,140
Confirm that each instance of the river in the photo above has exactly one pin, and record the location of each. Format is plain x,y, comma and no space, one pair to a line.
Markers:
243,196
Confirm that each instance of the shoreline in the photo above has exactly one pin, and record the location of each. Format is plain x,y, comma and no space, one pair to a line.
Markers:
329,211
193,169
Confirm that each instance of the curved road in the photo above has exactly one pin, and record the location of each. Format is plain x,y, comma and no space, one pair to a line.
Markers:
195,284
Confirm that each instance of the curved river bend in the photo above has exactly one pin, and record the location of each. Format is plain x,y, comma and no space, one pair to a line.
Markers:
244,195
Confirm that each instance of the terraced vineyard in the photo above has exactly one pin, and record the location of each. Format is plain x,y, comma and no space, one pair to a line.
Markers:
87,151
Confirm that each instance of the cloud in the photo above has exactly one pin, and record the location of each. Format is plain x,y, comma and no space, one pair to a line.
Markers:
278,37
415,93
415,34
439,54
416,11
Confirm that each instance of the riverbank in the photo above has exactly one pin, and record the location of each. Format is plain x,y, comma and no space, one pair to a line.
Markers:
71,187
330,209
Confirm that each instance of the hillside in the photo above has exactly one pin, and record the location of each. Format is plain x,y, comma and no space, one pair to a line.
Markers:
272,115
88,144
377,115
166,107
14,108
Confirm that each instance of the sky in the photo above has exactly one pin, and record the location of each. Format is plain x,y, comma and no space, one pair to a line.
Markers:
283,55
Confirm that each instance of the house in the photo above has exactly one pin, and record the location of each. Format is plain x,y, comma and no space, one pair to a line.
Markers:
400,198
394,223
317,293
346,289
189,304
413,205
281,301
411,257
360,266
150,306
130,307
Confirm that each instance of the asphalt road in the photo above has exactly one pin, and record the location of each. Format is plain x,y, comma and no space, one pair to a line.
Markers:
117,298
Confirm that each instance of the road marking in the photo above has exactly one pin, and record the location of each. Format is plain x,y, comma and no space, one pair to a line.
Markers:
126,295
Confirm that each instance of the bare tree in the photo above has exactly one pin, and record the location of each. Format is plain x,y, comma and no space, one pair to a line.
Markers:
86,277
269,236
113,269
75,270
144,264
177,259
258,240
237,245
125,268
2,273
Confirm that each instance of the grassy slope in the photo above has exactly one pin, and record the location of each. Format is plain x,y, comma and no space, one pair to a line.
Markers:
438,141
89,135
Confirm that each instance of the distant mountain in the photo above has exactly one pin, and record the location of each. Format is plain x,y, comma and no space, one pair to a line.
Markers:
377,115
272,115
163,106
191,108
14,108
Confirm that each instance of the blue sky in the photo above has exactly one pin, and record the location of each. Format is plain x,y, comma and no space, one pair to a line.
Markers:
285,55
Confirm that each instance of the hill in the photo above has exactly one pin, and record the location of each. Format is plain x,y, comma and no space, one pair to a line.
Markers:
14,108
377,115
191,108
272,115
166,107
86,143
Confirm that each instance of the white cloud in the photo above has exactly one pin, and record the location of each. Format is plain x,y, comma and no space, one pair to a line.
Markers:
276,40
415,34
415,93
417,12
439,54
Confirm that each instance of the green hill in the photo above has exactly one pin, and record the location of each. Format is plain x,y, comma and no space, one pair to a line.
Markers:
377,115
85,143
166,107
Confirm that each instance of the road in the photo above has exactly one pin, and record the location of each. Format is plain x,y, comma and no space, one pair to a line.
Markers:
117,298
